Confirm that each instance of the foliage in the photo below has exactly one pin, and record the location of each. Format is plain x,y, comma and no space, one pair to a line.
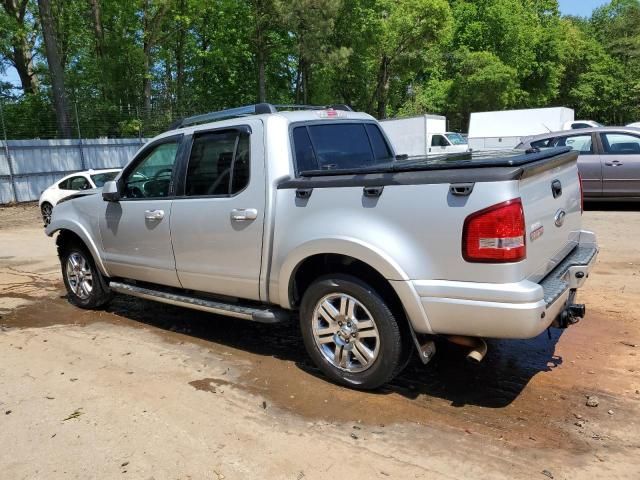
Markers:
132,67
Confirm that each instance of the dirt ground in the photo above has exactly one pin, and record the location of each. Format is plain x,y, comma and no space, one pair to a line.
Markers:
144,390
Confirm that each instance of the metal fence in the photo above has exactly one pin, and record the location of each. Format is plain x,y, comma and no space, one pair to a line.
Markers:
27,167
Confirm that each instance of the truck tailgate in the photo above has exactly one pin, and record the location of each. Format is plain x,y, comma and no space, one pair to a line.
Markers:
551,200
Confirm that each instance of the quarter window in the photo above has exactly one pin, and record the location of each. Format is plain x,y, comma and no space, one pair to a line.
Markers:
151,177
620,143
218,164
580,143
546,143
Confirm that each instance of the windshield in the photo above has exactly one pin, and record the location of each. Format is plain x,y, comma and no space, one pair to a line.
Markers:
456,139
101,178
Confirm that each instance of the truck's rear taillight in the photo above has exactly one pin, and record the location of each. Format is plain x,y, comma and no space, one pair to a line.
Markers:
581,193
496,234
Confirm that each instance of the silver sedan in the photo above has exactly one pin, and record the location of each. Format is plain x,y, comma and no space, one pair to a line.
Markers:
609,160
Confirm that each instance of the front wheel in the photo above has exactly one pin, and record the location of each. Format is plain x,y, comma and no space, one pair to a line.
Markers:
350,332
86,286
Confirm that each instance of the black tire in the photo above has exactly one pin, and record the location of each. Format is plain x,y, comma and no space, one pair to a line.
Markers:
45,210
391,357
100,294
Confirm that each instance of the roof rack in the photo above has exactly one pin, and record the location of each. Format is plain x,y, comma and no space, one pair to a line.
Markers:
257,109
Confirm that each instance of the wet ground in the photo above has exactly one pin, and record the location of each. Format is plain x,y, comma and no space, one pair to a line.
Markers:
521,412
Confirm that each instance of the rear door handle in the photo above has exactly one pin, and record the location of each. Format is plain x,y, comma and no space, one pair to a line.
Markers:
244,214
613,163
154,214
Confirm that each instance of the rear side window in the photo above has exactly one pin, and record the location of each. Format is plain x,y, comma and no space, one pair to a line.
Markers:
339,146
218,164
75,183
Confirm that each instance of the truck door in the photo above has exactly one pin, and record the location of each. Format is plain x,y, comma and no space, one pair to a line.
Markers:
620,164
135,230
217,218
438,144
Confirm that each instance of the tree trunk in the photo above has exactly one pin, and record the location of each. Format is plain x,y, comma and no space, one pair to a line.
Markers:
55,69
146,79
151,22
180,61
98,32
22,60
382,88
261,60
299,80
21,56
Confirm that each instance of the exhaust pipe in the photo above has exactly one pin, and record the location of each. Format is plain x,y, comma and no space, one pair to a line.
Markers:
478,347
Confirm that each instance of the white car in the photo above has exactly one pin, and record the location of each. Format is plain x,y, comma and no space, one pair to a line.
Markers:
70,185
634,125
577,124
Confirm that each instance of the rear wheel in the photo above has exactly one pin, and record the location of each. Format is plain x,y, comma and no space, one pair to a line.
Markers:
86,286
46,209
350,332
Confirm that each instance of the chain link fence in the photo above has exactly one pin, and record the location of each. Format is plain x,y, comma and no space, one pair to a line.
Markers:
36,151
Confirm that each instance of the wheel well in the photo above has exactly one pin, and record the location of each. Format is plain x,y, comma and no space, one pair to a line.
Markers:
318,265
67,237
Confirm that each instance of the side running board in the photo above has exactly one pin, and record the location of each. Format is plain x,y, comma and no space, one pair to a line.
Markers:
256,314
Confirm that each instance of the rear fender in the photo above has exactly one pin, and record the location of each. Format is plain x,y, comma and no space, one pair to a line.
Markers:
359,250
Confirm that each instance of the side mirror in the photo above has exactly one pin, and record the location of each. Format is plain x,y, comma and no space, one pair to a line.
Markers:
110,191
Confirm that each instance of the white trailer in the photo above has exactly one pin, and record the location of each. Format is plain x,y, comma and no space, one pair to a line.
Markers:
423,135
505,129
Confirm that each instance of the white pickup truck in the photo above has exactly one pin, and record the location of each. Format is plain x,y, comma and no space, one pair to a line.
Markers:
261,211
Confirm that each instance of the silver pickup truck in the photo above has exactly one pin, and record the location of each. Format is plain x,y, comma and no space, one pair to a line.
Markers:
261,211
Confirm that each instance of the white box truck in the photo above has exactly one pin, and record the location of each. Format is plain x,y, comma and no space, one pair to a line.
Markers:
423,135
505,129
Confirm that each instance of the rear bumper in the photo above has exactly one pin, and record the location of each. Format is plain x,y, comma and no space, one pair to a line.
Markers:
512,310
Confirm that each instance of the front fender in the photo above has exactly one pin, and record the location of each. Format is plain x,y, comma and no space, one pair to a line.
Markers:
59,224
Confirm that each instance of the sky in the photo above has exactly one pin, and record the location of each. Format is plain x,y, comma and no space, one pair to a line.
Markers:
581,8
567,7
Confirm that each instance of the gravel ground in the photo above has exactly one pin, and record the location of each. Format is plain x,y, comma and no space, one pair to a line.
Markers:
153,391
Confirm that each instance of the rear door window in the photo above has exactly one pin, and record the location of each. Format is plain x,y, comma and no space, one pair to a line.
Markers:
339,146
218,164
620,143
78,183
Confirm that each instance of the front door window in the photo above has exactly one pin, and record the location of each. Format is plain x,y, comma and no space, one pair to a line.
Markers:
151,177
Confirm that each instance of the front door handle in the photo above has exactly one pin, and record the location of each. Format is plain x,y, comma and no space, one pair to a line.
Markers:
244,214
613,163
154,214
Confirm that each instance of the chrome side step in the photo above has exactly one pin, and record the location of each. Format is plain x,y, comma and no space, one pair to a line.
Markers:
256,314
